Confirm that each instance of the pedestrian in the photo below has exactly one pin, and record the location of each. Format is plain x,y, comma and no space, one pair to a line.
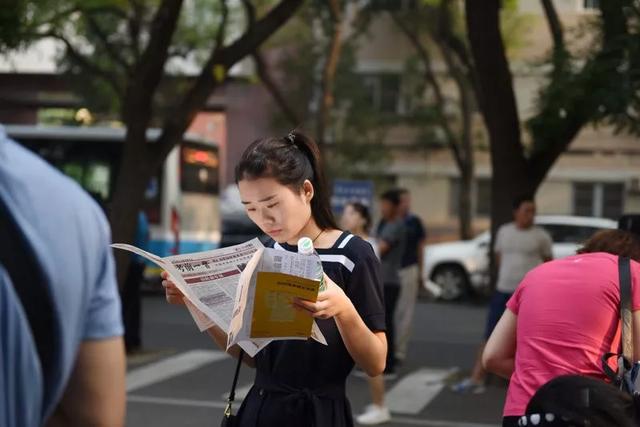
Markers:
563,318
579,401
131,291
356,219
302,383
410,274
519,247
391,244
62,358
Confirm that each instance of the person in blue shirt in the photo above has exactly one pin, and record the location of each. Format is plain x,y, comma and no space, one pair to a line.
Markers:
82,381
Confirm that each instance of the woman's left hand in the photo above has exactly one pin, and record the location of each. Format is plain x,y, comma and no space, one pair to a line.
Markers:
332,302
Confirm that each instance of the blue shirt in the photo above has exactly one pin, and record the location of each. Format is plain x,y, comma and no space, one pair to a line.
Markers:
70,237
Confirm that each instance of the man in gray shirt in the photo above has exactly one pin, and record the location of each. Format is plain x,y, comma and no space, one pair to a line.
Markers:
520,246
391,241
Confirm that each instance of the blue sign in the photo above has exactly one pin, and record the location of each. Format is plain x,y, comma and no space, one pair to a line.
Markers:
345,191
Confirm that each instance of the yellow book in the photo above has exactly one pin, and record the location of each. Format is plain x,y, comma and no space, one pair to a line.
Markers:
273,312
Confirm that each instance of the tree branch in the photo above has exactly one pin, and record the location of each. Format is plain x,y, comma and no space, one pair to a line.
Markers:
196,97
82,61
109,47
149,69
555,26
432,80
553,130
263,72
274,90
329,71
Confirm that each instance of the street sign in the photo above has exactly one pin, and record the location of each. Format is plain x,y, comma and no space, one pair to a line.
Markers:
345,191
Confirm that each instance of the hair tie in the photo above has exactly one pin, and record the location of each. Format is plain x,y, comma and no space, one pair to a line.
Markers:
291,137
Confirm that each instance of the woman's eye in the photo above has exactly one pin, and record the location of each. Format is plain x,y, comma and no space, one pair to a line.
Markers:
272,206
251,209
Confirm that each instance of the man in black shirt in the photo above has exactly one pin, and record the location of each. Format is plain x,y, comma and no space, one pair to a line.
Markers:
410,274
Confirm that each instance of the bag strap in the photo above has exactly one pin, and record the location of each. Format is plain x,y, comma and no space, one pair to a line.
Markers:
30,285
624,268
232,393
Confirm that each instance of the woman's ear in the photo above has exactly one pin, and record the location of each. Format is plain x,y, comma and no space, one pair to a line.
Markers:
307,190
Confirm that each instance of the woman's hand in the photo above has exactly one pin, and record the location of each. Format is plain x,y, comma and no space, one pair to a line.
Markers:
171,291
332,302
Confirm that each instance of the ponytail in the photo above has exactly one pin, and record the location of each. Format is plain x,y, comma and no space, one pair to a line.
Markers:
290,160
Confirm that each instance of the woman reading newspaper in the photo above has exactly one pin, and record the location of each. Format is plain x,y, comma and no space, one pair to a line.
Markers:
302,383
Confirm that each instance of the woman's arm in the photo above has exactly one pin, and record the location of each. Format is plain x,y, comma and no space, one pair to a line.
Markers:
175,297
499,353
368,349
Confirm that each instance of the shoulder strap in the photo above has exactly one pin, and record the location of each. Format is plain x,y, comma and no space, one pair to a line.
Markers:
232,393
28,279
624,269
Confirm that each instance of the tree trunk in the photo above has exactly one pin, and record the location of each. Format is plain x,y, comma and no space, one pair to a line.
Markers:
465,216
329,73
134,174
497,100
499,109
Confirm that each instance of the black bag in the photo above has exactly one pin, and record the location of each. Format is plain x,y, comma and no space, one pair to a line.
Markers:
30,284
228,419
626,378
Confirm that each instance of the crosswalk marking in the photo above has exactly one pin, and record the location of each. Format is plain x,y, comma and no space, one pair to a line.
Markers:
241,392
414,391
176,402
221,405
171,367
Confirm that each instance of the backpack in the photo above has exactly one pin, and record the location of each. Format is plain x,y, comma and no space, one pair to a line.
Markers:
30,284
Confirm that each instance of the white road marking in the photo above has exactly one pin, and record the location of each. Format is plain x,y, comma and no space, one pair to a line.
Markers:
241,392
221,405
413,392
171,367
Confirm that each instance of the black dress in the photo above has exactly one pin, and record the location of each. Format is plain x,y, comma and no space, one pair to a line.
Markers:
302,383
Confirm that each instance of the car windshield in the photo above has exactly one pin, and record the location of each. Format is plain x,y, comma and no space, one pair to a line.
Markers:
563,233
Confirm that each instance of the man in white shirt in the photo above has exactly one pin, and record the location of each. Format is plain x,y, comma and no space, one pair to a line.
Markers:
519,247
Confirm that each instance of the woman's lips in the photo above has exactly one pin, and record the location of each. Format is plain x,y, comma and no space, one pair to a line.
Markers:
274,232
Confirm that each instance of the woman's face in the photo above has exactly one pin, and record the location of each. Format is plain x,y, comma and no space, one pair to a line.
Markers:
352,220
280,212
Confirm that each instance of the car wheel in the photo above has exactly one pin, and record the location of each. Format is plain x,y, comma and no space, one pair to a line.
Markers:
452,280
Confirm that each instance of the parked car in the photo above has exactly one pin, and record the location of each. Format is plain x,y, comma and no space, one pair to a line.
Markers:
453,269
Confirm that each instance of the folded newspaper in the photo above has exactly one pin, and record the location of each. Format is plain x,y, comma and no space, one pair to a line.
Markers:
247,290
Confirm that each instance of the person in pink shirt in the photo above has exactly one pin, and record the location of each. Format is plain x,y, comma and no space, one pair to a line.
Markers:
563,318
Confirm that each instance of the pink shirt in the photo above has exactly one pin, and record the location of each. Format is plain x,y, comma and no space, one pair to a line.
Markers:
567,320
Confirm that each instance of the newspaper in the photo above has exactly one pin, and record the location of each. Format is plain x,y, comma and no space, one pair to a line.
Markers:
210,282
276,277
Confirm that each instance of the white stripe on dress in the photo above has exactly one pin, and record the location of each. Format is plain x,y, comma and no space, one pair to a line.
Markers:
345,241
339,259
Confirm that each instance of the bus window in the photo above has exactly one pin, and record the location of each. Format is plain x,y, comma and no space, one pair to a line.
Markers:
199,169
97,179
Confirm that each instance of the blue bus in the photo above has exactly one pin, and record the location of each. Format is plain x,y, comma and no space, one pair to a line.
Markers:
181,200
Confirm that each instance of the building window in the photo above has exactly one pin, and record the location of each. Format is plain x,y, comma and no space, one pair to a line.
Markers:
591,4
481,197
383,92
598,199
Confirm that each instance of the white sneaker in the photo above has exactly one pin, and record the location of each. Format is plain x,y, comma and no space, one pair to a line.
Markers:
374,414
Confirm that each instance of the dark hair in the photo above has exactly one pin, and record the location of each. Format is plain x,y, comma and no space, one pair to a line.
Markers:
615,242
523,198
364,213
392,196
401,191
290,160
582,401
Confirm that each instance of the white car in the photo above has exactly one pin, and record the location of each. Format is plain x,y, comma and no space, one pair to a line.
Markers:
452,269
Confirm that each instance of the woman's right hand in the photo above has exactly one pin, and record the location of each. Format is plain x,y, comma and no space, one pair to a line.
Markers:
171,291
